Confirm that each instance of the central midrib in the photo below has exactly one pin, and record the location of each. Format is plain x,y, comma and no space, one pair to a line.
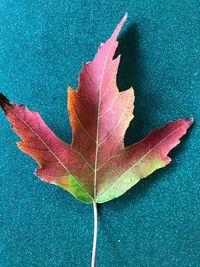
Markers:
98,124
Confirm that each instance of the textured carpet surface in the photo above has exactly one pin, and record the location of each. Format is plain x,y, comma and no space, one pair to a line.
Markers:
42,46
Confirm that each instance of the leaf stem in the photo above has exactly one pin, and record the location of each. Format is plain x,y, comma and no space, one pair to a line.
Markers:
93,264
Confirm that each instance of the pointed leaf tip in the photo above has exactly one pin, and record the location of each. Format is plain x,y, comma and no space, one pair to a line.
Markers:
126,15
3,100
190,120
119,27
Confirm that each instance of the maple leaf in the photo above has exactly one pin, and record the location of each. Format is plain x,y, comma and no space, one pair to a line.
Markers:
96,166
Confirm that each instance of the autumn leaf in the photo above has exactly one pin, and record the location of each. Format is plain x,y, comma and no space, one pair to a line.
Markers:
96,167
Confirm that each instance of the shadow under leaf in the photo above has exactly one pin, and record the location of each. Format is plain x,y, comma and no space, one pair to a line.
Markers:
131,73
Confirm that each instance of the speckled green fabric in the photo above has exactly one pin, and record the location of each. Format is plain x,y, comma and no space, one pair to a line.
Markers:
42,47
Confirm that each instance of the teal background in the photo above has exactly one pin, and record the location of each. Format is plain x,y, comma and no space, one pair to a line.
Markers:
42,47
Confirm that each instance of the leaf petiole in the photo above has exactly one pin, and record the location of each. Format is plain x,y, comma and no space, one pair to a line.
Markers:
93,264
